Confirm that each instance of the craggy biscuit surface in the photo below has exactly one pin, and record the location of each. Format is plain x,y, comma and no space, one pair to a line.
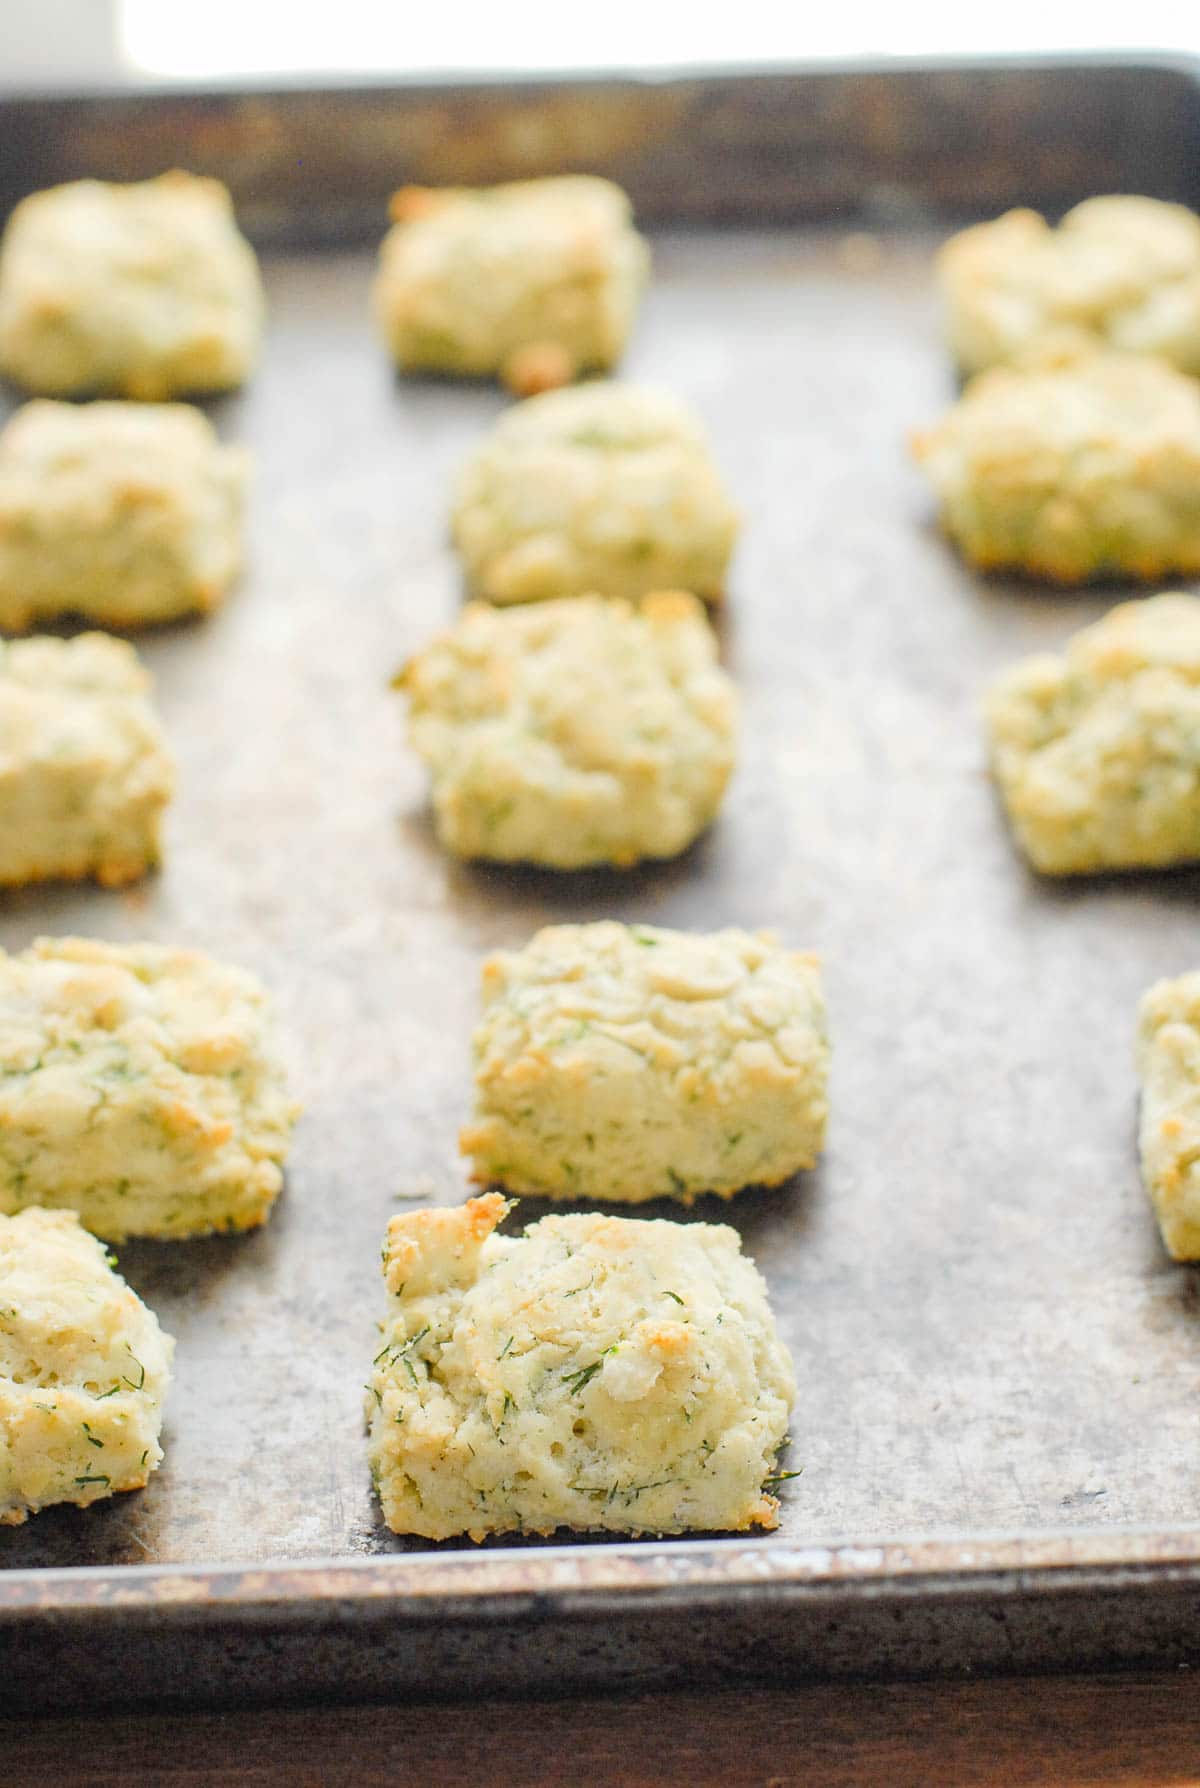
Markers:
144,290
594,1373
1168,1058
84,771
574,732
1069,472
1095,751
626,1062
84,1369
1119,271
536,281
607,488
116,511
139,1087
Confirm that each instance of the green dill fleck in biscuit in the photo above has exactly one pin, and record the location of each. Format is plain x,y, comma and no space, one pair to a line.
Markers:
574,733
627,1062
1095,749
84,1369
139,1086
596,1373
84,770
124,513
1086,469
1168,1059
605,488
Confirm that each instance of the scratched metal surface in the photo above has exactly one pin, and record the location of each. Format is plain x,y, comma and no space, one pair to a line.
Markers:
987,1333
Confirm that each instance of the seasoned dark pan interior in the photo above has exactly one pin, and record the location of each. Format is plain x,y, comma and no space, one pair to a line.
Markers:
986,1330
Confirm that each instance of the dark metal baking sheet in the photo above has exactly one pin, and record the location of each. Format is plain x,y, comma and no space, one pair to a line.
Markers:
988,1336
774,146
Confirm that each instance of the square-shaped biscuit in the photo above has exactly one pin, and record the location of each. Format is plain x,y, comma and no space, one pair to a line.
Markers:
596,1373
574,733
84,1369
140,1087
607,488
145,290
1095,750
117,512
1168,1059
1073,471
1119,271
84,770
535,282
626,1062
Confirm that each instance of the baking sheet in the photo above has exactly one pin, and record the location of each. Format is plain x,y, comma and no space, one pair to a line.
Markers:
997,1362
986,1330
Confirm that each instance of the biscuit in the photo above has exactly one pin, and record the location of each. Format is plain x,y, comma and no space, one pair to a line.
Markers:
1119,272
1076,471
139,1087
117,512
576,732
1168,1060
145,290
626,1062
606,488
84,1369
1095,750
534,282
596,1373
84,771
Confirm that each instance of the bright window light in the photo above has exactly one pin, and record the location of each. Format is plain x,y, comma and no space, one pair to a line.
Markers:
226,38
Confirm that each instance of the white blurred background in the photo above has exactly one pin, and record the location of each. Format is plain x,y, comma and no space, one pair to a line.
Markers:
45,43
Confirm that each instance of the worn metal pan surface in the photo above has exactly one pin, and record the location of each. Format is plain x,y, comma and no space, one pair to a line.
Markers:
988,1335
